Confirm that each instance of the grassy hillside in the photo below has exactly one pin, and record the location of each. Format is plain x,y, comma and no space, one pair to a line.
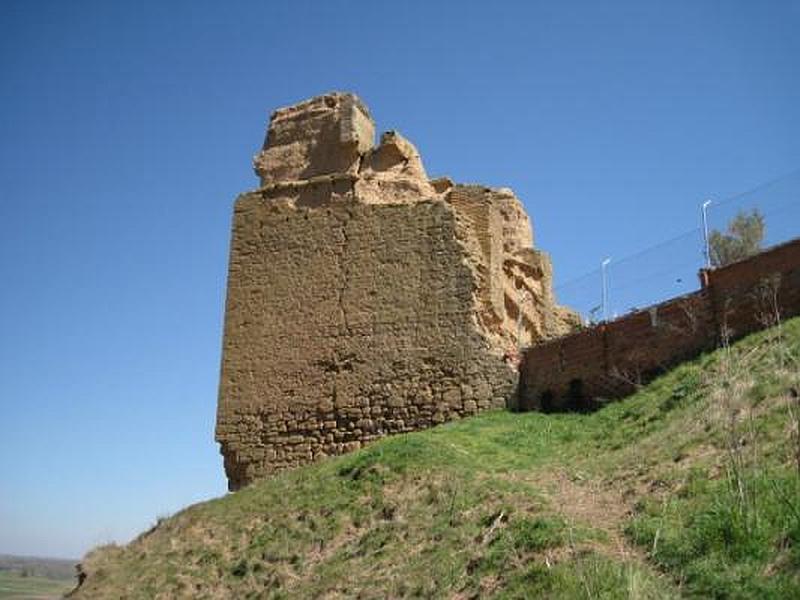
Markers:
689,488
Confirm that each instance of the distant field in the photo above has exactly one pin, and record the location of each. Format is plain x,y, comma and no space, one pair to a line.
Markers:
14,586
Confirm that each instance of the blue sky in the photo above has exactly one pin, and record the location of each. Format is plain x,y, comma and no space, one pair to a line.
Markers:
127,129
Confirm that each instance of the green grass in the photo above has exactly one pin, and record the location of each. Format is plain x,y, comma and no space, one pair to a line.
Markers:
15,586
688,488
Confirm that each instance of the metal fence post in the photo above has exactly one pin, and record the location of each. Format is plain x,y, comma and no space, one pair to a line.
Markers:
707,248
604,291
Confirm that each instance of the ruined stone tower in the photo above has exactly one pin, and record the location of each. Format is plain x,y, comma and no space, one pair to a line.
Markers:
365,299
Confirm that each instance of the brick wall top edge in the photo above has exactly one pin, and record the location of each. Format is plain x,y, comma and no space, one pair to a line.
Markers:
774,253
778,252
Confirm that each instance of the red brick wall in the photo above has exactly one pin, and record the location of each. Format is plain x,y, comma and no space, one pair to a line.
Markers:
607,361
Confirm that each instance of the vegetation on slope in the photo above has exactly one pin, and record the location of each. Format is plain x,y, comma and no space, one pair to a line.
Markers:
688,488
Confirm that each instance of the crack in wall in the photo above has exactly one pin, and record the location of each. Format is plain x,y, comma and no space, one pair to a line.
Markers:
344,271
335,337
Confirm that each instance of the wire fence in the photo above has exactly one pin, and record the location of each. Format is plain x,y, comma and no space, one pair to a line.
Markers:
670,268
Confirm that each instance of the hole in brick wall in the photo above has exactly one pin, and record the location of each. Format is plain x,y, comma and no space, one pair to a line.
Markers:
546,401
576,399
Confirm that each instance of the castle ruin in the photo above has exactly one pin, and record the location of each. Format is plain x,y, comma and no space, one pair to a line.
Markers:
365,299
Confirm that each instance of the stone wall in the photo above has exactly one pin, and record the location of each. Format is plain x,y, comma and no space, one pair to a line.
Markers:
363,299
608,361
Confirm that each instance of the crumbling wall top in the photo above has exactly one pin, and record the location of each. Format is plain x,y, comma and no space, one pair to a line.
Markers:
364,298
321,136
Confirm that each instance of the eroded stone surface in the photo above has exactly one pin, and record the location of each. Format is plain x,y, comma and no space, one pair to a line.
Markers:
393,173
324,135
364,299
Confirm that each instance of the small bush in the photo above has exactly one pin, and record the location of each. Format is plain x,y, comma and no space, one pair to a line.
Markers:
535,535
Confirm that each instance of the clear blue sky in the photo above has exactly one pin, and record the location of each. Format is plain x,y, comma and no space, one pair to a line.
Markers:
127,129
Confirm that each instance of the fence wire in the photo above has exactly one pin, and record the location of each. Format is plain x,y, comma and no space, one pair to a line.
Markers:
671,268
